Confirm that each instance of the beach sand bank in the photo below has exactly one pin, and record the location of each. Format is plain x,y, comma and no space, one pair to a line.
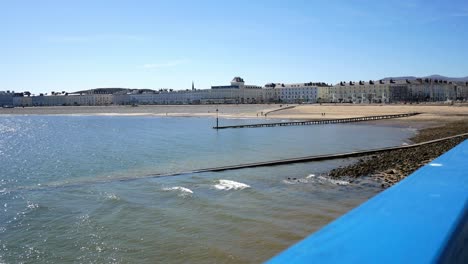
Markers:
146,110
429,112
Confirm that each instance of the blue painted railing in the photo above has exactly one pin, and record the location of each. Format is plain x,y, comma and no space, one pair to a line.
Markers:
422,219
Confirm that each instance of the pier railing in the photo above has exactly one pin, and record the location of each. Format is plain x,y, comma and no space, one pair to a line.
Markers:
320,122
422,219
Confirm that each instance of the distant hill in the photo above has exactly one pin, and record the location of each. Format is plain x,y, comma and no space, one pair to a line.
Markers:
434,76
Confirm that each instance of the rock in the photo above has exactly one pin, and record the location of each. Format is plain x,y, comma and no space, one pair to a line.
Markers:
392,166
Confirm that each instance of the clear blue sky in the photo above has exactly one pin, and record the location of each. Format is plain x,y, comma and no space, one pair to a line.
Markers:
70,45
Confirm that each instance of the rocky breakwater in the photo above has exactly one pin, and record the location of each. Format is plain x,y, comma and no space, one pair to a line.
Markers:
390,167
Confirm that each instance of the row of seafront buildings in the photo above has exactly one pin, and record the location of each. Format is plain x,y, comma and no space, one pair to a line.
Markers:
391,91
383,91
235,93
25,99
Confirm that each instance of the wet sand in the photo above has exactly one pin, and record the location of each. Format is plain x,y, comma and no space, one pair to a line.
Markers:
244,110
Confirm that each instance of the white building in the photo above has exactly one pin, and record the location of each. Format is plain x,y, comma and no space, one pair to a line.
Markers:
237,92
295,92
72,99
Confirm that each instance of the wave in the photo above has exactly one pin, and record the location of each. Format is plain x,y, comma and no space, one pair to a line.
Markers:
111,196
336,182
227,185
184,191
32,205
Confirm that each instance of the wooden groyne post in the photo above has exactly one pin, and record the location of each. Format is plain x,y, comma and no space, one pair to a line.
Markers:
217,119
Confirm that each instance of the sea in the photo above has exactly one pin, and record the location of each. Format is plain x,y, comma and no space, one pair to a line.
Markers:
121,189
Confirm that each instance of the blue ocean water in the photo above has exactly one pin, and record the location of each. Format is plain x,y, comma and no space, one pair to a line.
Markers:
76,188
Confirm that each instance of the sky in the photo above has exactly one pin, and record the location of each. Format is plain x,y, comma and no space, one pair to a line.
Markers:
75,45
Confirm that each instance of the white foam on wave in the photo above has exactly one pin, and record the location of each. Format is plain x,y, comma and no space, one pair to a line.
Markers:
337,182
7,129
288,182
227,185
332,181
183,190
111,196
32,205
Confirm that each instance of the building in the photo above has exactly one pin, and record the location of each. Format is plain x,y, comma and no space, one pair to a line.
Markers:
237,92
49,100
360,92
394,91
89,99
21,100
296,92
323,94
437,90
369,92
68,100
461,90
6,98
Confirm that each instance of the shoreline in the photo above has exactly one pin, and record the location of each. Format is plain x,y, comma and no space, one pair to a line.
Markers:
390,167
272,111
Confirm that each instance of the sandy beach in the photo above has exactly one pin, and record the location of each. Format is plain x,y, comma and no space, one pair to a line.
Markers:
432,113
429,113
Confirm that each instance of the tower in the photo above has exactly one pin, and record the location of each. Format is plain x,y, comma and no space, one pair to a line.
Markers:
193,86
